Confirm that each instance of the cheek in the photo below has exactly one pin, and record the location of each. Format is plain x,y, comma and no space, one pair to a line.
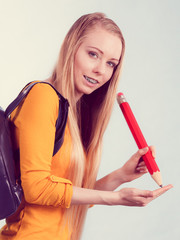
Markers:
108,75
76,64
79,66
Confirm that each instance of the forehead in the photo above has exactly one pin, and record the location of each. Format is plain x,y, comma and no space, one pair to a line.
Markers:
106,41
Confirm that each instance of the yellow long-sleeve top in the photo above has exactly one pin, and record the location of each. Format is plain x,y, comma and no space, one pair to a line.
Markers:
47,192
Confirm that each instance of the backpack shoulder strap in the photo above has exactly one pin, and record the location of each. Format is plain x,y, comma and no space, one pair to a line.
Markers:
62,116
24,93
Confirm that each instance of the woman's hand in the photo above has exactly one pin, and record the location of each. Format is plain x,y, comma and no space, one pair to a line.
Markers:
134,167
137,197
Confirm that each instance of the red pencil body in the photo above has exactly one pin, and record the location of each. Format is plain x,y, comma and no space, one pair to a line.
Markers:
139,138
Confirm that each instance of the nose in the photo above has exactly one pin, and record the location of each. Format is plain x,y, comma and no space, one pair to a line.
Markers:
99,68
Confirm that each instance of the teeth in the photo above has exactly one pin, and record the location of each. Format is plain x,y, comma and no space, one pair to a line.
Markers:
90,80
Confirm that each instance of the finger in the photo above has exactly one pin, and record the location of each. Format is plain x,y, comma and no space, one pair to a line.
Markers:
141,164
160,191
142,169
140,153
153,151
143,193
147,194
143,151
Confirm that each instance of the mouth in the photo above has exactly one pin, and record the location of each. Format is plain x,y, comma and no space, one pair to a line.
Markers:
91,80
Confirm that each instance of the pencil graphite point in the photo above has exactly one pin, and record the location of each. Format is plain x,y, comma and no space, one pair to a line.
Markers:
157,178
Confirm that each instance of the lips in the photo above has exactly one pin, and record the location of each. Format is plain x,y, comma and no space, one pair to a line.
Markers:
91,80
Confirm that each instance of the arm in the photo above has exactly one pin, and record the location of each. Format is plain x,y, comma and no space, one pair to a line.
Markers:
126,196
35,125
104,189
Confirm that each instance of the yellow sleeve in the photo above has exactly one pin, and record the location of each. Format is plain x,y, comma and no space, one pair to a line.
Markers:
36,129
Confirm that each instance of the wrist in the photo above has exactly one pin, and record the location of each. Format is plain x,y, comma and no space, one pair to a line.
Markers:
119,176
107,198
111,181
114,198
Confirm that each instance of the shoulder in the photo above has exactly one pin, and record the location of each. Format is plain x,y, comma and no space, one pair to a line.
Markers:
43,93
42,102
43,98
43,89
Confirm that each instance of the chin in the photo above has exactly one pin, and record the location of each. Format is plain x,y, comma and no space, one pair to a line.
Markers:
87,91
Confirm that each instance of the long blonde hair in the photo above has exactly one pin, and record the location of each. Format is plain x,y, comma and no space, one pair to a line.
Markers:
88,118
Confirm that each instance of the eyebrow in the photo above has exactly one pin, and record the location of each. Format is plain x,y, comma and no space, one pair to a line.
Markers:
103,53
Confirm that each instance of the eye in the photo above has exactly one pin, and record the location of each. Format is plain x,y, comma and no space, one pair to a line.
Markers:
93,54
111,64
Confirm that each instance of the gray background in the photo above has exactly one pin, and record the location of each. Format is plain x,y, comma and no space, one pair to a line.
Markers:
31,34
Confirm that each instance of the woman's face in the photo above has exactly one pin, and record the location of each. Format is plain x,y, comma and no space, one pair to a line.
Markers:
95,60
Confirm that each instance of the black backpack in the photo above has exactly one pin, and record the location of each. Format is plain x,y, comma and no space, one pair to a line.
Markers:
10,187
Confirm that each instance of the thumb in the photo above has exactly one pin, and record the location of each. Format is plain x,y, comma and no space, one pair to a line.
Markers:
141,152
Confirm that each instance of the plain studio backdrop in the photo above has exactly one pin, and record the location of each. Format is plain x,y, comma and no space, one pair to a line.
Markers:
31,34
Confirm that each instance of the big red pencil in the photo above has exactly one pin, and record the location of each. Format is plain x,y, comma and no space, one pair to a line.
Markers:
139,138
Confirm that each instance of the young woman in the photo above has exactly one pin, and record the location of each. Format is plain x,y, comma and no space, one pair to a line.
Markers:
58,190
